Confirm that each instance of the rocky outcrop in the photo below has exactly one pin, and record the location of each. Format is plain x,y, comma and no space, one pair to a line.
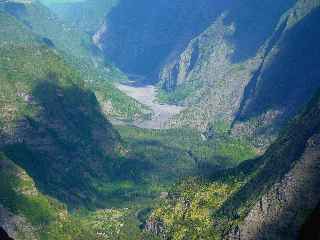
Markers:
281,212
156,227
218,64
215,85
4,235
15,226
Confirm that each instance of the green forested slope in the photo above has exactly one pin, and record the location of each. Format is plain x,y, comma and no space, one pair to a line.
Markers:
54,140
228,203
46,111
78,50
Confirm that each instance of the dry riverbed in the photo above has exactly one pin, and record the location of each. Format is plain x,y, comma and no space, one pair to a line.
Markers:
147,96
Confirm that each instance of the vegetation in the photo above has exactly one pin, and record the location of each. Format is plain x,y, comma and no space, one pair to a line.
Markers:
207,209
48,218
37,22
178,95
86,15
66,173
45,218
184,152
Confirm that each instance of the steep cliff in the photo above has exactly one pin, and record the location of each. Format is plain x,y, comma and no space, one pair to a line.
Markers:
278,200
230,83
288,76
139,37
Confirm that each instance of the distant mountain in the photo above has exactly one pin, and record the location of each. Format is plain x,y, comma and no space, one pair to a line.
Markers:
87,16
256,90
139,37
288,76
220,59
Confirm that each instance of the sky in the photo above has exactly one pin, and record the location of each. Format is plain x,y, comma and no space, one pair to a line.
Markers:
59,1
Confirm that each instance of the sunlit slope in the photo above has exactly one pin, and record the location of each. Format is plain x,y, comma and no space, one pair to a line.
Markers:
76,47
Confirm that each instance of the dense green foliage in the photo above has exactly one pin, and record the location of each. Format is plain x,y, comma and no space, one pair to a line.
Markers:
182,152
76,48
47,219
177,95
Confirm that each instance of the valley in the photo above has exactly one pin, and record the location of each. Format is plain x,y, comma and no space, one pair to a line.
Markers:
165,120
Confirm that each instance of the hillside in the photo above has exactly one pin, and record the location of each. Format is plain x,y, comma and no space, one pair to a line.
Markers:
269,197
43,105
87,16
27,214
78,50
58,151
53,128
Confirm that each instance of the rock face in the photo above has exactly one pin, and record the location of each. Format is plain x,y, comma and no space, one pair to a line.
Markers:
140,37
4,235
280,213
284,191
288,75
245,87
